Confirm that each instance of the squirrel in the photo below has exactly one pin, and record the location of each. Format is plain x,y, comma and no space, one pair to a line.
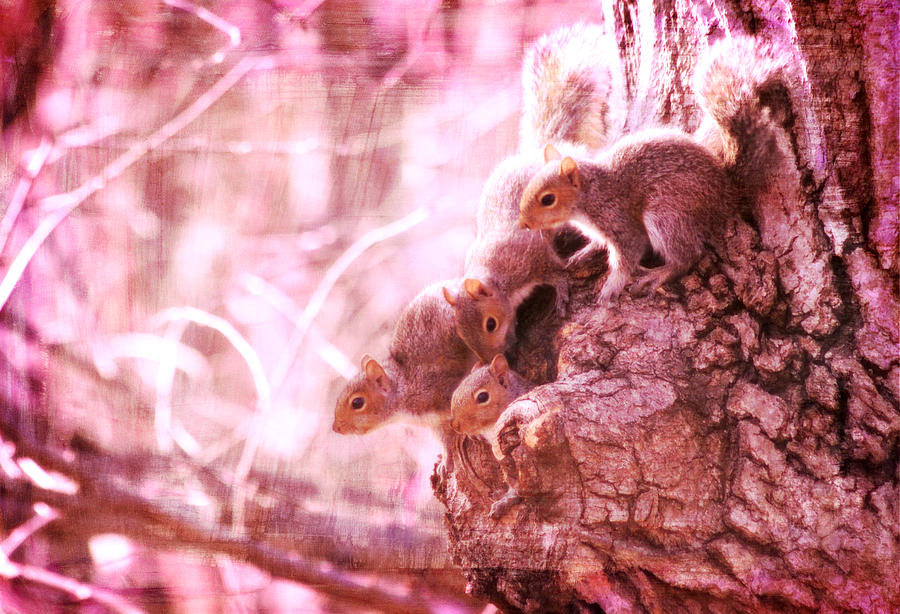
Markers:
481,397
477,404
569,77
662,188
426,360
578,60
658,188
502,269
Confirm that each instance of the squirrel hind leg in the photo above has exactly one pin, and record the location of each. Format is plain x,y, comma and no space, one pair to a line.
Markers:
654,278
614,284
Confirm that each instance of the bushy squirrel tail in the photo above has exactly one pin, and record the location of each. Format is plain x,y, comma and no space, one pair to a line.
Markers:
574,89
745,85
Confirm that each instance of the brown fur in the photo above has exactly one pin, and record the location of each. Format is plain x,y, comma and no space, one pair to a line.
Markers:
473,414
574,88
425,363
501,271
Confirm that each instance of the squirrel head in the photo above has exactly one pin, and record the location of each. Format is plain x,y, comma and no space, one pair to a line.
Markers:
550,197
481,397
483,317
365,403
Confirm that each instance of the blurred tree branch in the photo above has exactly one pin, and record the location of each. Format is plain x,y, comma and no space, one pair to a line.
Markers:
113,497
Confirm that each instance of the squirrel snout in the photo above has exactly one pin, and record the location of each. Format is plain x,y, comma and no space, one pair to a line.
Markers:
524,224
454,424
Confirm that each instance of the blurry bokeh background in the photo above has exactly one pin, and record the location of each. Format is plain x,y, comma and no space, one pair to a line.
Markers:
211,210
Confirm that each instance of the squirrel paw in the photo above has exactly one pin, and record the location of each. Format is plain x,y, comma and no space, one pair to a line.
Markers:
578,258
613,286
608,295
654,278
645,285
562,299
509,424
504,504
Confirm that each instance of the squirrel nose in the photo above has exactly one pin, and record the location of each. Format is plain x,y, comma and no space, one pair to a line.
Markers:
454,424
523,224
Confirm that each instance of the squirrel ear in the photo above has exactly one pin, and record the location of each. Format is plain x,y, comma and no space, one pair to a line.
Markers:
476,289
551,153
499,366
568,168
500,369
449,297
374,371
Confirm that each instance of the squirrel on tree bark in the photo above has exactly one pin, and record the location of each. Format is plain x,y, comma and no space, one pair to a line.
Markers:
662,188
477,404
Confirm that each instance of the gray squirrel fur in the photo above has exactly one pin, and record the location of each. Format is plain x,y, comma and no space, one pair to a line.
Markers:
663,188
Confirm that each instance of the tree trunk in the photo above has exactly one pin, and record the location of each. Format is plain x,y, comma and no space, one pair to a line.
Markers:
695,454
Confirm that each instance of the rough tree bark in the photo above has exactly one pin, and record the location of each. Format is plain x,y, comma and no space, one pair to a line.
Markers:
694,454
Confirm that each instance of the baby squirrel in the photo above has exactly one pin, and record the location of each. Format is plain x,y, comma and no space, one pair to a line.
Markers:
481,397
478,403
568,79
573,93
426,361
502,269
663,189
658,188
412,381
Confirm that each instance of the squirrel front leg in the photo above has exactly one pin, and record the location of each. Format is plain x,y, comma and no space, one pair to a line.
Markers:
624,256
511,497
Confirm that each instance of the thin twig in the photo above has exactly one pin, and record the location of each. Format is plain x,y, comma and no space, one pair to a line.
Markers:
165,381
60,206
230,30
43,515
48,480
77,590
415,48
328,352
34,166
102,503
243,347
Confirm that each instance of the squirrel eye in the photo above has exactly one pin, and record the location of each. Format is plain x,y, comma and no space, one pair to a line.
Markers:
548,199
490,325
358,403
483,397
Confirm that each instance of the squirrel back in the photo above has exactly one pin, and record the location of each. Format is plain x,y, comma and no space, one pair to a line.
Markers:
498,206
573,89
484,394
739,82
425,363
